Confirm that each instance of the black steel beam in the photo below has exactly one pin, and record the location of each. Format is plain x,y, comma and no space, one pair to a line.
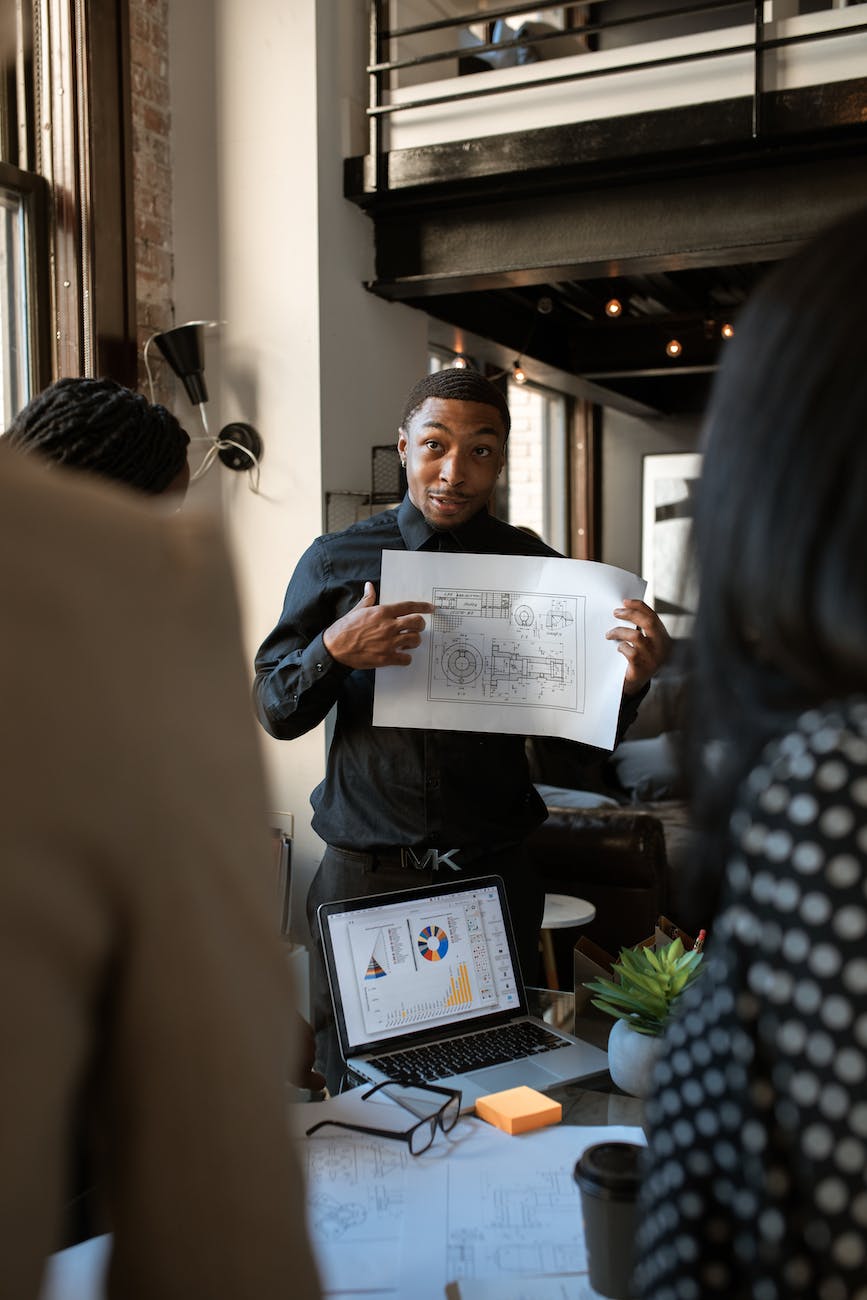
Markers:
712,218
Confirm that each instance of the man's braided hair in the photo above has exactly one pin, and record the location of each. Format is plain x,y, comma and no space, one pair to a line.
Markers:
97,425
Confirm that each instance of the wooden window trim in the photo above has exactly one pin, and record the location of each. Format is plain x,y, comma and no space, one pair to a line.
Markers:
82,96
582,468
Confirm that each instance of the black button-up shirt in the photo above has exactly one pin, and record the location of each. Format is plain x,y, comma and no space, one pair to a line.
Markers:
390,786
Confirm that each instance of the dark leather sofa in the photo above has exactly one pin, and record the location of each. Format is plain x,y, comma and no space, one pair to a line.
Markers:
616,859
630,856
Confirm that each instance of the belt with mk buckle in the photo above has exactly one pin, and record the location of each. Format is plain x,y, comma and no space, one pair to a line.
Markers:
422,859
429,859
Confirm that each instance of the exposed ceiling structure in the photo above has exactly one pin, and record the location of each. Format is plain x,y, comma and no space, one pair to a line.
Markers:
659,349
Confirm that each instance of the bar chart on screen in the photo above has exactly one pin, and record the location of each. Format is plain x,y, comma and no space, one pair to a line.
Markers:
460,995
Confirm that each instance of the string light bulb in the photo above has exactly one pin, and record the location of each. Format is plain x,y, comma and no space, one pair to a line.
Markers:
460,362
613,307
727,330
673,348
518,374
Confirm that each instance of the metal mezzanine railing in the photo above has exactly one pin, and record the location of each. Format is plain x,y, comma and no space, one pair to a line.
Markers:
382,39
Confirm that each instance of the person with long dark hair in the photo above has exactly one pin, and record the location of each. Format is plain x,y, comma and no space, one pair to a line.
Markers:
757,1175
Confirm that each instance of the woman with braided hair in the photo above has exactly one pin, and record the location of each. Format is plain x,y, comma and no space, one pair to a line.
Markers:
100,426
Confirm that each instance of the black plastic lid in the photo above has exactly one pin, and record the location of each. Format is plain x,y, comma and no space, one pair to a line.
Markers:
610,1169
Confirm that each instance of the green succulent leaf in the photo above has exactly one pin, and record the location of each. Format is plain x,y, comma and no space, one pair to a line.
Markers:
653,957
646,985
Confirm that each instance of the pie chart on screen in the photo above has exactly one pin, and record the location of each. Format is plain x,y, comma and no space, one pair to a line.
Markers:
433,943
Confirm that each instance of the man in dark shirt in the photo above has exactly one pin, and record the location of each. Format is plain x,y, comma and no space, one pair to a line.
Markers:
401,807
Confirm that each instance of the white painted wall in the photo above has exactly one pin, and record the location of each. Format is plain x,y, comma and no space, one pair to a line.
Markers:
371,351
625,442
262,102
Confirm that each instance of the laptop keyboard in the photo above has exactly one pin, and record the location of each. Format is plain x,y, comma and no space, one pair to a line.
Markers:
435,1061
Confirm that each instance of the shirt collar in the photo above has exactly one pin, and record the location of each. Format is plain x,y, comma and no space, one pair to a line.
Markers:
416,531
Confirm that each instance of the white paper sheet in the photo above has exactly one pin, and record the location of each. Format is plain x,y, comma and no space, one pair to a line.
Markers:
356,1194
509,1213
517,644
524,1288
478,1206
78,1273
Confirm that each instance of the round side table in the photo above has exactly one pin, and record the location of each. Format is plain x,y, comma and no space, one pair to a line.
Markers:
562,912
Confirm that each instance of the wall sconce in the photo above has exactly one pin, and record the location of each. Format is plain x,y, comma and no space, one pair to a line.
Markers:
238,445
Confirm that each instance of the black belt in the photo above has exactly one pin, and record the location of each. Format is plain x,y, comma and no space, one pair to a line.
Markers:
423,859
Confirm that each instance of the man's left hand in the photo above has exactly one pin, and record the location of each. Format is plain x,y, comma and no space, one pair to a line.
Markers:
646,645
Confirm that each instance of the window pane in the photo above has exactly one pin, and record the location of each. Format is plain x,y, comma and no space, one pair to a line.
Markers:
537,463
14,324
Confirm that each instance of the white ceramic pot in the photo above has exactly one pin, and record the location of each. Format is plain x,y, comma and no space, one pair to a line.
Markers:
631,1057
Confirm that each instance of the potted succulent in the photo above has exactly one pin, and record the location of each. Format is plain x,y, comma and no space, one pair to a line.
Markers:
641,995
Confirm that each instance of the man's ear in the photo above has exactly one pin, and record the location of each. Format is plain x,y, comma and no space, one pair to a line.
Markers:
401,441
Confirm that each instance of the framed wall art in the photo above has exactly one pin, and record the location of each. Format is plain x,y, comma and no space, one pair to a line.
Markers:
669,481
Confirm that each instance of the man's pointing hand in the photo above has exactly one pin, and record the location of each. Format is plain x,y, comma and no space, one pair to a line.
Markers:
376,636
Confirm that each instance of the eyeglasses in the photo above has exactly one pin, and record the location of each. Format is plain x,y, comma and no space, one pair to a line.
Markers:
421,1135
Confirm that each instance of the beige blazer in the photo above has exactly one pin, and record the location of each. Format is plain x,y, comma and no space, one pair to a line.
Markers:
138,942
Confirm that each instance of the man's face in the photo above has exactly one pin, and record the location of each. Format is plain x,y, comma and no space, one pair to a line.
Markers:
454,452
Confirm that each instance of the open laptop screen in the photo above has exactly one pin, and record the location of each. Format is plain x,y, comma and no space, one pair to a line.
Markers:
420,959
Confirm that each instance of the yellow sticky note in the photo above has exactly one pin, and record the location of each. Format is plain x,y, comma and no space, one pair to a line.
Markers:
517,1110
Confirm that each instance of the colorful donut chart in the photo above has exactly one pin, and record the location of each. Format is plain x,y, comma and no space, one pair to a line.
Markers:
433,943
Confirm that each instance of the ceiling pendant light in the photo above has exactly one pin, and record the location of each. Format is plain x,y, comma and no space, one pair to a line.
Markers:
673,348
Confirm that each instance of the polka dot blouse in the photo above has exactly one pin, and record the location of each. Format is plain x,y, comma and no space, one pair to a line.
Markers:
757,1174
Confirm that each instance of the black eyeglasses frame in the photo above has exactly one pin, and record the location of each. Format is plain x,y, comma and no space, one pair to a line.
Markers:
444,1118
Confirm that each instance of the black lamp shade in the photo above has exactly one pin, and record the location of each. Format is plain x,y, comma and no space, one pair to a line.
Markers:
183,348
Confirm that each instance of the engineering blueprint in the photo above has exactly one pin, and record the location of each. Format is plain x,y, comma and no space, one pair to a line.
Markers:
515,644
507,647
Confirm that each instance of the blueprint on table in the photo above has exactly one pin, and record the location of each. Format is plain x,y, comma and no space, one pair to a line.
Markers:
478,1207
516,644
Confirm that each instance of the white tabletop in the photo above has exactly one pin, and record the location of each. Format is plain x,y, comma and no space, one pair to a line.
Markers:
563,911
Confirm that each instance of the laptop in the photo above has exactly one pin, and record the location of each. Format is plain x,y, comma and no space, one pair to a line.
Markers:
426,987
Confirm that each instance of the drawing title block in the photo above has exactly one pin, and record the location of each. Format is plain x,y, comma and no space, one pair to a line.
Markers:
518,1110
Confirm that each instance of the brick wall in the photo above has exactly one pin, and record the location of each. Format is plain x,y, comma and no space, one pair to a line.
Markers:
152,182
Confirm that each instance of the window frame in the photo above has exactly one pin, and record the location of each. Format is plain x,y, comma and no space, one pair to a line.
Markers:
34,194
563,539
68,124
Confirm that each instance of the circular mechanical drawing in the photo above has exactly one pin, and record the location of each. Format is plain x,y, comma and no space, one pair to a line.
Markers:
524,616
461,663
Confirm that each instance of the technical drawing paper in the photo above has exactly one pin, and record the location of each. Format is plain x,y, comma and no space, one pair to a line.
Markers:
477,1205
526,1288
356,1204
516,644
509,1212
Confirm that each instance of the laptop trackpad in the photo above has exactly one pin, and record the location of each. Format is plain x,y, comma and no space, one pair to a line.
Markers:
513,1075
